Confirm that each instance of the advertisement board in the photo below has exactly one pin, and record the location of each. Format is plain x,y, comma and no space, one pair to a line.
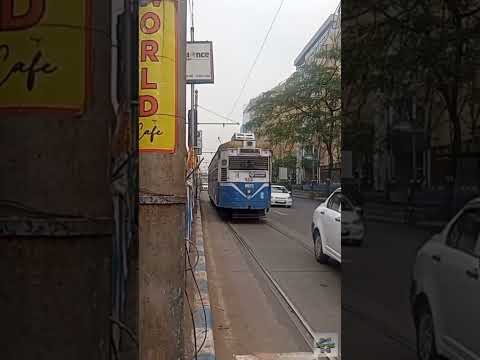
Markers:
158,79
44,52
200,62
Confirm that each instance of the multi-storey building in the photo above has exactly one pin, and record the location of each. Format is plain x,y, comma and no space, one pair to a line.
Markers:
312,160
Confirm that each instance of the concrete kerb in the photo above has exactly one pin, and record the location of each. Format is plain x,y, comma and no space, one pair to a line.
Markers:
308,195
431,225
202,311
375,218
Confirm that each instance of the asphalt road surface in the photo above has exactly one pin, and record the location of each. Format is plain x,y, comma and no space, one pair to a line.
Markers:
376,281
248,317
365,300
375,284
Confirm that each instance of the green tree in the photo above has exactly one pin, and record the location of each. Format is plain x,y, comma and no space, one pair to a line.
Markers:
426,49
305,109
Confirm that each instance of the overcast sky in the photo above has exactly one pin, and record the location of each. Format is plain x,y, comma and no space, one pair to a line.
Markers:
237,29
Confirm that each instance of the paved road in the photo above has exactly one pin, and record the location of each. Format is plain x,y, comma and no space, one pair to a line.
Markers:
315,288
375,285
247,318
372,283
283,245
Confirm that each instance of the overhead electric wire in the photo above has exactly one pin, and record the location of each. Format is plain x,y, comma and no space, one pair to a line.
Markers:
216,114
129,331
256,59
189,304
203,308
191,269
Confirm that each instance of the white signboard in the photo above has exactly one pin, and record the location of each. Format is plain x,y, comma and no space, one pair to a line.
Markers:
200,62
283,173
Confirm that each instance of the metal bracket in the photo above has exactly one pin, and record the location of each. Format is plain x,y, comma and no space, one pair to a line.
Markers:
148,199
55,227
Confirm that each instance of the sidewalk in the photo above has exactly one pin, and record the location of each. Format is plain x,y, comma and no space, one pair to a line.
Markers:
202,313
420,224
397,213
308,195
377,210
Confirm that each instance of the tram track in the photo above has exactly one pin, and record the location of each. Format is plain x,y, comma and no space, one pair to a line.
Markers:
289,236
294,314
391,335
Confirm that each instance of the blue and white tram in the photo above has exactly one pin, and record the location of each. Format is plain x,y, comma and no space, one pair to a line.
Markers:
239,177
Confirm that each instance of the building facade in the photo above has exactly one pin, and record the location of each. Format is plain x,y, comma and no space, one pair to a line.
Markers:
312,161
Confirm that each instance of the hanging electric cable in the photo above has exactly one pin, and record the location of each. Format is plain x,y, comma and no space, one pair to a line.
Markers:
216,114
256,59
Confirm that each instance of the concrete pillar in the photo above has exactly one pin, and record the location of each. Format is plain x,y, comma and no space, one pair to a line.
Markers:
55,198
162,234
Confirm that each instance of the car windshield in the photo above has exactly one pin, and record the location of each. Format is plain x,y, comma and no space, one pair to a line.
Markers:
279,190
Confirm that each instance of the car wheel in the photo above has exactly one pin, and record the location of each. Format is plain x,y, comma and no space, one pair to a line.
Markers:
426,347
318,249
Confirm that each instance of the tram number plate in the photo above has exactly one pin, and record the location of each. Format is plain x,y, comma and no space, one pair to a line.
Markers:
249,186
254,174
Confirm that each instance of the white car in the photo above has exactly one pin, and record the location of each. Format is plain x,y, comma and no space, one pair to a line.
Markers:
445,292
281,196
329,229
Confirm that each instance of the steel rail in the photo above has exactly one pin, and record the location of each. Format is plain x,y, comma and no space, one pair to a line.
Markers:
298,318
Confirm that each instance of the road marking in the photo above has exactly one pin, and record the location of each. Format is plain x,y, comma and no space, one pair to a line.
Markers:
279,212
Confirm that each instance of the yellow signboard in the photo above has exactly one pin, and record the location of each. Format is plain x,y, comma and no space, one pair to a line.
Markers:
158,76
44,54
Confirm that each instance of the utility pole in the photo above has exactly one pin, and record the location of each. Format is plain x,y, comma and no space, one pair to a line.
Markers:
162,229
193,115
195,131
195,120
191,127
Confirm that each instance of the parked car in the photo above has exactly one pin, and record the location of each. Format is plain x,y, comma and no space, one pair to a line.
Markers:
330,229
281,196
204,187
445,291
353,225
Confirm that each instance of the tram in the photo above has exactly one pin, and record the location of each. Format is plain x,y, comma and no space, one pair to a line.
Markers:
239,177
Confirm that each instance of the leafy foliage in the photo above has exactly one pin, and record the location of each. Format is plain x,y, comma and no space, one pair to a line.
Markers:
403,48
305,109
399,50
